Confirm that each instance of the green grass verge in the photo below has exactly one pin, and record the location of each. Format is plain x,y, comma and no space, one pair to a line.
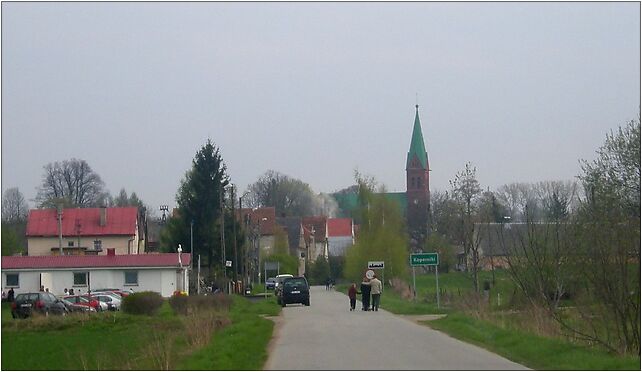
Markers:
532,351
100,341
241,345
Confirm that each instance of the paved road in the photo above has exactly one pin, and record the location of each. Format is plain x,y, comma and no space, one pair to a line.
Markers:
327,336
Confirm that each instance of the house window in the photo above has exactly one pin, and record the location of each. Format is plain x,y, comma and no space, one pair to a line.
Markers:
13,280
98,245
70,243
80,279
131,277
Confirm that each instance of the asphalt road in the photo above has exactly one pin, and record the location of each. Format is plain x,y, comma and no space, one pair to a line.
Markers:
327,336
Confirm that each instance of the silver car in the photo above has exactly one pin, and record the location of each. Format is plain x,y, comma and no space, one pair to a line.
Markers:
112,300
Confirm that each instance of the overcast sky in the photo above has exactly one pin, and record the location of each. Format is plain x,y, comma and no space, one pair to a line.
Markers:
522,90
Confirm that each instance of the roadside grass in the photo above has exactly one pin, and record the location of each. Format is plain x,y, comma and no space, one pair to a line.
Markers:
241,345
85,342
536,352
118,341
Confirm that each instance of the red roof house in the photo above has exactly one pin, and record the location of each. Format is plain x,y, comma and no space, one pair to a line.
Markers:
84,231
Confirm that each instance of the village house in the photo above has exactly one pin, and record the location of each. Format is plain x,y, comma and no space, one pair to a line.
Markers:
340,235
159,272
85,231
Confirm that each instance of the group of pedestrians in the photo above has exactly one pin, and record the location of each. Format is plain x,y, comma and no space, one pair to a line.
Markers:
368,288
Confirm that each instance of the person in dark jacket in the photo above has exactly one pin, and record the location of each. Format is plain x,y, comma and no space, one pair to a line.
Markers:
10,295
352,294
365,294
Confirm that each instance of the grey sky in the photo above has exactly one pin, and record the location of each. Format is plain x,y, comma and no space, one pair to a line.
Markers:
523,90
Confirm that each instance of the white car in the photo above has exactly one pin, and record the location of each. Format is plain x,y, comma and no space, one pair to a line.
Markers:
111,300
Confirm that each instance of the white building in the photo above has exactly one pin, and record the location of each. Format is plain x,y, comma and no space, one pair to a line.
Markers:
162,272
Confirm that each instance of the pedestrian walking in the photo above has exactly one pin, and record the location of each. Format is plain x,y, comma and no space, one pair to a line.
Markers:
327,284
375,290
365,294
352,294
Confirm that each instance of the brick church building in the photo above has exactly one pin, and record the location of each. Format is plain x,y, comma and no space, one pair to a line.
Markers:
414,203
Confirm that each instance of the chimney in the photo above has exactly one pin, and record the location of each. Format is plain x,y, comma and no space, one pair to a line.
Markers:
111,251
103,216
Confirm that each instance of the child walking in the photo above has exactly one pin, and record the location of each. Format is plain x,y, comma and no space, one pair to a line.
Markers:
352,294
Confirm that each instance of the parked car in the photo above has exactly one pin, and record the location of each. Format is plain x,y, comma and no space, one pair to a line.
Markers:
84,300
269,284
112,300
277,285
120,292
42,302
295,291
77,308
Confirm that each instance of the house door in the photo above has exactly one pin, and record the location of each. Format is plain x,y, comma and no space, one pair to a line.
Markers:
46,281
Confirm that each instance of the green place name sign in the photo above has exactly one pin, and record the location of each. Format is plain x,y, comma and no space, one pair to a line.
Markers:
421,259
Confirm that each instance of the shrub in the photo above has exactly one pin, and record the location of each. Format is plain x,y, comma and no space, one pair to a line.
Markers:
185,305
142,303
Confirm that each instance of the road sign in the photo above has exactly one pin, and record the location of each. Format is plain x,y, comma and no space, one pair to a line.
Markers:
421,259
375,265
370,274
228,263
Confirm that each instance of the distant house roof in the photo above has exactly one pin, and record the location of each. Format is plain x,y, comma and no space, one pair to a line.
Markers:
82,222
339,227
319,224
70,262
258,214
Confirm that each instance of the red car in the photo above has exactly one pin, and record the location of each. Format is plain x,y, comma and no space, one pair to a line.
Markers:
84,301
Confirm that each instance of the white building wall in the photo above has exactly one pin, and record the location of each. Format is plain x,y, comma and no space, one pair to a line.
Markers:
161,280
337,245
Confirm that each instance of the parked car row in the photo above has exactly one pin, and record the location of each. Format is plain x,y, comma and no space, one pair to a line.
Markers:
47,303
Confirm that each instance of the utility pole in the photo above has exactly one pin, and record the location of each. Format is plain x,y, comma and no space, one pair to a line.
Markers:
60,228
236,256
223,233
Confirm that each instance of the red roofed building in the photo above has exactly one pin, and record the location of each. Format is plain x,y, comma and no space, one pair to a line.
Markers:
315,236
85,231
163,273
340,235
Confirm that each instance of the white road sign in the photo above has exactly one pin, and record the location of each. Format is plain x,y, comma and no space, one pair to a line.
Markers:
375,265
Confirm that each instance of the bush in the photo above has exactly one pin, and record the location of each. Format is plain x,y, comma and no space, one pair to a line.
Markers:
185,305
142,303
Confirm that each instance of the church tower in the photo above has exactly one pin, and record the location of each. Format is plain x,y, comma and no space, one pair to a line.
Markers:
417,187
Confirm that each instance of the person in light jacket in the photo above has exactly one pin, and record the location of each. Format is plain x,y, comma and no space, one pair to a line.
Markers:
375,290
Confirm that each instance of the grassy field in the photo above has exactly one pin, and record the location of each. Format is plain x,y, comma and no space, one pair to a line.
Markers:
115,341
541,353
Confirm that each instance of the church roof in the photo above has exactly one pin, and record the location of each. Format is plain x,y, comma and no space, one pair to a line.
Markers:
417,147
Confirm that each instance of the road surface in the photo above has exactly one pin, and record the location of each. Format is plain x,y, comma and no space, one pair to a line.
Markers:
327,336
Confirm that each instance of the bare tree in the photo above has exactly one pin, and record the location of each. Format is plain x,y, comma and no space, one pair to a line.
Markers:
71,183
289,196
14,206
465,190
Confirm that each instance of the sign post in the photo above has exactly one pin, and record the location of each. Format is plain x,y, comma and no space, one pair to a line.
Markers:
374,265
425,259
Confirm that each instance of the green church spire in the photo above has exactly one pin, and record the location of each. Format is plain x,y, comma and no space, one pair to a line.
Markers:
417,146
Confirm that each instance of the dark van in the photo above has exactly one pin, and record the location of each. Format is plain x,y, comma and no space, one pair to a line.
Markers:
295,291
